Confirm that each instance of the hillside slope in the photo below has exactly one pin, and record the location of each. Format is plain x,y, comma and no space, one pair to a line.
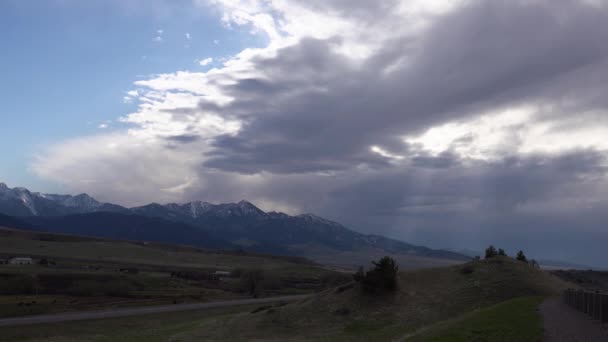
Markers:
129,227
425,296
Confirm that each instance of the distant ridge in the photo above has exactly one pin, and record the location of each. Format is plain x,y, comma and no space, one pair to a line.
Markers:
239,225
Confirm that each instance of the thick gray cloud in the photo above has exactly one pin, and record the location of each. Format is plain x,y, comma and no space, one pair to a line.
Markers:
483,123
311,109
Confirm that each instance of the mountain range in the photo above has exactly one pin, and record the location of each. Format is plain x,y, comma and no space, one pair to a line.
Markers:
239,225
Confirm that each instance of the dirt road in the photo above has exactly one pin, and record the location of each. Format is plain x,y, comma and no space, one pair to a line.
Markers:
564,324
78,316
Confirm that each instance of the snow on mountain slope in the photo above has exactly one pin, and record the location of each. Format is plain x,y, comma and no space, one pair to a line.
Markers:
22,202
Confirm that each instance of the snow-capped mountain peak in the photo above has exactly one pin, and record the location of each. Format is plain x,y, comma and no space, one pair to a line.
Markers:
21,202
82,201
248,208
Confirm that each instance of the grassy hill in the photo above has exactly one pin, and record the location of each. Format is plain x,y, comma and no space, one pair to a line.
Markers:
425,297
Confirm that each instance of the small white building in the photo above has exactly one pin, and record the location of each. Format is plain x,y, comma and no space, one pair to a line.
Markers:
222,274
20,261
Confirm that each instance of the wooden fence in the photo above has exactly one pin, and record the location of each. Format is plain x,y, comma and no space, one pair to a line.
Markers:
594,304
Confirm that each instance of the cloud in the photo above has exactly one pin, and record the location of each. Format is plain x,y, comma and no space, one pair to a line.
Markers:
206,61
159,35
130,96
188,36
450,123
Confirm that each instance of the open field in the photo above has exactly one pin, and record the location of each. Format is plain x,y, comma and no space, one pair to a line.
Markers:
16,242
91,274
147,328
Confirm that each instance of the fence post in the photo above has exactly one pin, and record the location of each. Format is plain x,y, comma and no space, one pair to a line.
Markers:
581,307
597,311
604,305
591,304
584,307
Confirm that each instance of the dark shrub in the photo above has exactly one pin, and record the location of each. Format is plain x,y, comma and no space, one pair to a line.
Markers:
467,269
501,252
382,278
491,252
521,257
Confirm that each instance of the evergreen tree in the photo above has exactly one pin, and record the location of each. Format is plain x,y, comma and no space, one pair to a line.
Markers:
382,278
491,252
521,257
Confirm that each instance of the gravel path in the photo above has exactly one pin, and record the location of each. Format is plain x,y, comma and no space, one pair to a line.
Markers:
564,324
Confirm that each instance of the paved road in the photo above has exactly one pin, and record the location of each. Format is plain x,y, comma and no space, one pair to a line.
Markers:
564,324
79,316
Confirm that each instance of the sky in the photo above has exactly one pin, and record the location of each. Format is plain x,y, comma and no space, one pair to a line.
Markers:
447,123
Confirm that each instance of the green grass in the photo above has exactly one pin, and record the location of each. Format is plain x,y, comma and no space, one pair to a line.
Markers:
514,320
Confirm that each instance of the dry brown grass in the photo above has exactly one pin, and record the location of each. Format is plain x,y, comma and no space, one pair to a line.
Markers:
425,297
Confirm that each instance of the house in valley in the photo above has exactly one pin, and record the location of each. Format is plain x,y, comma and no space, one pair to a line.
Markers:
20,261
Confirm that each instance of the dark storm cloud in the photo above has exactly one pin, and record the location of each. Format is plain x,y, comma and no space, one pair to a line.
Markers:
547,205
314,109
515,202
499,186
184,139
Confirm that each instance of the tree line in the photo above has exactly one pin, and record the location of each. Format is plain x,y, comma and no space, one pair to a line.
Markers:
492,252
